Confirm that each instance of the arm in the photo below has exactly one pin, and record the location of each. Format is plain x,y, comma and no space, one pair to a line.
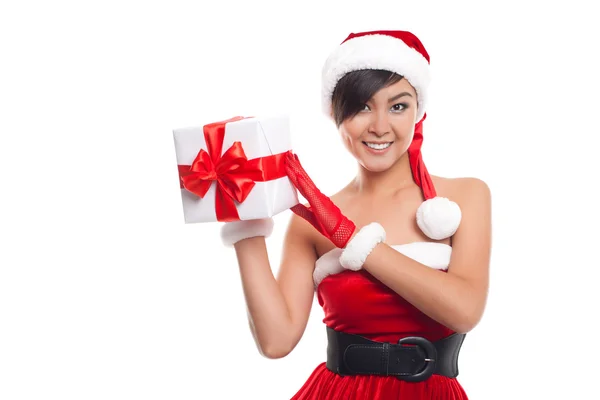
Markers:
457,298
278,309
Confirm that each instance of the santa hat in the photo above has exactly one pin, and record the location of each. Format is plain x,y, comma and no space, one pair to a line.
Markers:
403,53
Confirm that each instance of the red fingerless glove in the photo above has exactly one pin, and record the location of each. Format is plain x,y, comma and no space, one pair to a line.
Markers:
325,216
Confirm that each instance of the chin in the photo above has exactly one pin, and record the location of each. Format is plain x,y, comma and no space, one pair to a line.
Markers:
377,165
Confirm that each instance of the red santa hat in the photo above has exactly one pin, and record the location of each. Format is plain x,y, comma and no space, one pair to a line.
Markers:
403,53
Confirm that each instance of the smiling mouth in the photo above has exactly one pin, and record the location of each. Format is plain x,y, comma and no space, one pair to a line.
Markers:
378,146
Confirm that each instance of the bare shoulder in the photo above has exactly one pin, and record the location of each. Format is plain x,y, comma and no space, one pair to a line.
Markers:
473,196
462,190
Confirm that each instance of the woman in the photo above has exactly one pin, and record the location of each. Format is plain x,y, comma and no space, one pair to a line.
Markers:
399,258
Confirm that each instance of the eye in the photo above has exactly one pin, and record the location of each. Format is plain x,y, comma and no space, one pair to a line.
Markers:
365,108
399,107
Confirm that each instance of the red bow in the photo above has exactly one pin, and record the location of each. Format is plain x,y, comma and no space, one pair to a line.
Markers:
234,173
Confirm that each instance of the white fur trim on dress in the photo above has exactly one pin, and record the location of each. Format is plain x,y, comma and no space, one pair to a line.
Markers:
233,232
376,51
361,245
439,218
433,255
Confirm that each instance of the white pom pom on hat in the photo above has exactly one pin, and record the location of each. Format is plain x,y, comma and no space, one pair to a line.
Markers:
438,218
403,53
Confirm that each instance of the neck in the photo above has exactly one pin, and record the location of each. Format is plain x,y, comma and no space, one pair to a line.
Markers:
388,182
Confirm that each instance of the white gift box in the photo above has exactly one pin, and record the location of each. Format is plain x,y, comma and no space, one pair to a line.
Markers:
259,137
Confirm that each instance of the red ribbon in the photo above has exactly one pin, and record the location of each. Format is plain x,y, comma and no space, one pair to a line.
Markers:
417,166
234,173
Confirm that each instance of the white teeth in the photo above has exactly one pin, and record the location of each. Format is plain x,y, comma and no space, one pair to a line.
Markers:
378,146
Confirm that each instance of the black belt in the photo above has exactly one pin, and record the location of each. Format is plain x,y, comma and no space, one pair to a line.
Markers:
349,354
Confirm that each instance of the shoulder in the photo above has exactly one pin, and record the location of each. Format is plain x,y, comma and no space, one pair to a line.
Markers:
472,186
462,190
473,197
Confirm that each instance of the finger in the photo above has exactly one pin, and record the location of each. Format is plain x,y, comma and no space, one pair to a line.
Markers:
292,171
303,187
303,212
310,193
297,169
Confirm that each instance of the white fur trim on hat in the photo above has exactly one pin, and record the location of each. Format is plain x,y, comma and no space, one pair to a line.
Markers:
233,232
376,51
362,244
439,218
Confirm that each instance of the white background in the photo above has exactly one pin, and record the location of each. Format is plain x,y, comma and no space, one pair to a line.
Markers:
106,294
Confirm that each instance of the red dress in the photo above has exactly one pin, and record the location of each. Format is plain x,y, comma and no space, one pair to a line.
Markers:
356,302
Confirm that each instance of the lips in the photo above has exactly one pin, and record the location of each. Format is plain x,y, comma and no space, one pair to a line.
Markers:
378,146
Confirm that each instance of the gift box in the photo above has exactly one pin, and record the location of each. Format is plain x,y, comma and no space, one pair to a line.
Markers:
234,170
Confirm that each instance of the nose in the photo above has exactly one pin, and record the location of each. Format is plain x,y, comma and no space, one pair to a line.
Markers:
380,123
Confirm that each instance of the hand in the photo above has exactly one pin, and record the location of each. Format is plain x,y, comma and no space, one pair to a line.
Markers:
325,216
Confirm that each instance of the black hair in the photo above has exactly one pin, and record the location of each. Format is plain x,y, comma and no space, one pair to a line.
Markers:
355,88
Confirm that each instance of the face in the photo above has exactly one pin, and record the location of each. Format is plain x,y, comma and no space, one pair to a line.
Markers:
380,134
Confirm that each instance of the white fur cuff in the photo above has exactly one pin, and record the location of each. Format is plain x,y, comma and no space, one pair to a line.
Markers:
354,255
233,232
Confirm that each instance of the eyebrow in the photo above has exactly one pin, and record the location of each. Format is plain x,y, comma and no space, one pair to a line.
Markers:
396,97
